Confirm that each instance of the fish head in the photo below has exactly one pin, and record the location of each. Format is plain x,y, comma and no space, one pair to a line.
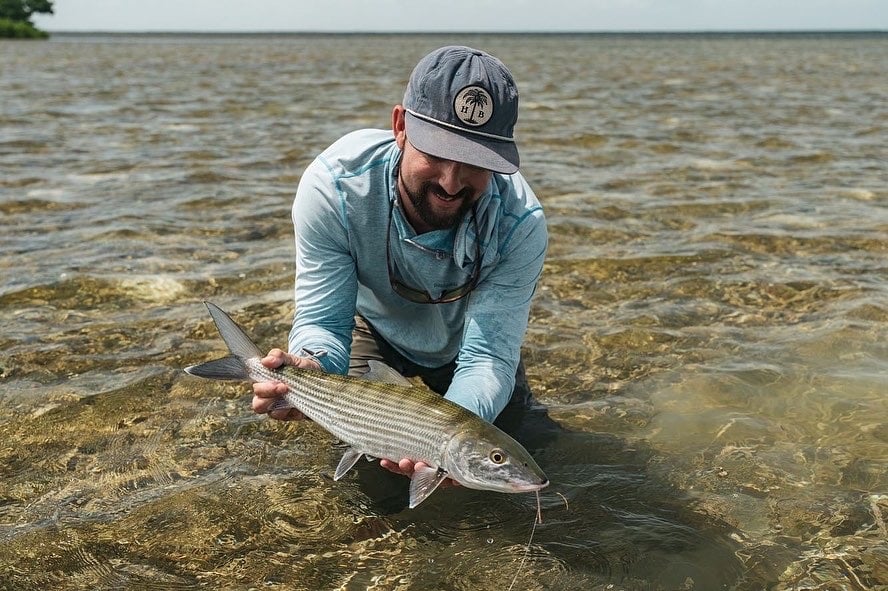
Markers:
491,460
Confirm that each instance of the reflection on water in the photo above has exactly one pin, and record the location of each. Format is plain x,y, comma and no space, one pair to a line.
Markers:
710,331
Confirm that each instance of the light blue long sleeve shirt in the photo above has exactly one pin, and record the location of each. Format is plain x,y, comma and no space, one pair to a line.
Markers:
341,217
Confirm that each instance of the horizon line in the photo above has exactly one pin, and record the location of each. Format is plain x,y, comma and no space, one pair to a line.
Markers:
775,31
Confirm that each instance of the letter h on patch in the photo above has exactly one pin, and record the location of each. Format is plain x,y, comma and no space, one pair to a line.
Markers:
465,111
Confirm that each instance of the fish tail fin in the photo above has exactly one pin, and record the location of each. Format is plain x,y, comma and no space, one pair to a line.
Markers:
239,344
226,368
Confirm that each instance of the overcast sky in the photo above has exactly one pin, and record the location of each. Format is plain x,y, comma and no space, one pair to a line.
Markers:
464,15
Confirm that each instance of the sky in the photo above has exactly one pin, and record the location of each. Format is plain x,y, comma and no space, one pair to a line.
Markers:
464,15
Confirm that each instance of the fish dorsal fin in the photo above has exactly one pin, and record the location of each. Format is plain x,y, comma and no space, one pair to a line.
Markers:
424,483
349,459
380,372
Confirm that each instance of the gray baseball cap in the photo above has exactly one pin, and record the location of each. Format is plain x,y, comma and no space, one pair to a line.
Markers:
462,105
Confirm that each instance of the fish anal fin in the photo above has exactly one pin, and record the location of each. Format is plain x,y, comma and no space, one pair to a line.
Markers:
349,459
424,482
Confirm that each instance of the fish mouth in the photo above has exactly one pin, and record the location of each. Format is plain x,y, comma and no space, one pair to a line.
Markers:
530,487
507,487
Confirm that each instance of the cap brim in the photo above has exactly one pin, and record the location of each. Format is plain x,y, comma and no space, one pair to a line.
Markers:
490,154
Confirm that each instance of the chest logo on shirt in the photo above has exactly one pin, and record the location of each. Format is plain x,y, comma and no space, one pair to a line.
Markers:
473,106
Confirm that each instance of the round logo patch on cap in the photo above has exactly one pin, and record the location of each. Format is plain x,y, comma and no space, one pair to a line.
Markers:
473,106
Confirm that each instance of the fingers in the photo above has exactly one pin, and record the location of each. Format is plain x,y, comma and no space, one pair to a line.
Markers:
263,403
267,394
404,467
407,467
275,358
269,390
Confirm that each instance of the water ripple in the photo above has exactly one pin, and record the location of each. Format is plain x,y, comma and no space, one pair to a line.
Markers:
710,329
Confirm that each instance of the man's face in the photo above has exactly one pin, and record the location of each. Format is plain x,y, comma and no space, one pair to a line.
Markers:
440,191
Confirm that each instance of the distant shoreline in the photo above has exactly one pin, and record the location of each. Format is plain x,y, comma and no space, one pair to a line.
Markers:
714,33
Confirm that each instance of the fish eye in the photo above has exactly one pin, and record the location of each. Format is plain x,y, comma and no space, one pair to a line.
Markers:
497,456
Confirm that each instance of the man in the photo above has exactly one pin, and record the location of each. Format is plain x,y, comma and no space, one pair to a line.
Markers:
421,246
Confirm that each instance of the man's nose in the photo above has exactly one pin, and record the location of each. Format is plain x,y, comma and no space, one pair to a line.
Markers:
450,177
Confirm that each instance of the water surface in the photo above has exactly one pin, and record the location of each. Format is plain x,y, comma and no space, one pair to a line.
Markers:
710,329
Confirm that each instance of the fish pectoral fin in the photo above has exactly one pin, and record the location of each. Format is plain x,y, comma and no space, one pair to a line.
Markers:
424,483
380,372
370,458
349,459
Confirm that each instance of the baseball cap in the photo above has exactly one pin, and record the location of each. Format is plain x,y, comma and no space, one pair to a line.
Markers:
462,104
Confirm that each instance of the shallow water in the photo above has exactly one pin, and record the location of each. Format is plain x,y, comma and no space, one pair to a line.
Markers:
710,330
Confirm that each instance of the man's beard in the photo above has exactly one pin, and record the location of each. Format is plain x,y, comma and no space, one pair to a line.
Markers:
422,203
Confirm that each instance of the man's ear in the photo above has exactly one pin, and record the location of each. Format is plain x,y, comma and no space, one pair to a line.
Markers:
399,126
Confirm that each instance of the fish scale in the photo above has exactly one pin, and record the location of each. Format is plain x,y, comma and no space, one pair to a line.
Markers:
384,415
383,420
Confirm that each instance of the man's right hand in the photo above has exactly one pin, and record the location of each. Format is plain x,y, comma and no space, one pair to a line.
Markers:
265,394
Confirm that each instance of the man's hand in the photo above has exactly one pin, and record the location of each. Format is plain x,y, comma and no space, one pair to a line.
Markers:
265,394
407,468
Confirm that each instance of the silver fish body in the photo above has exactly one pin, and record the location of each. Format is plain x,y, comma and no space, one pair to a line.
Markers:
385,416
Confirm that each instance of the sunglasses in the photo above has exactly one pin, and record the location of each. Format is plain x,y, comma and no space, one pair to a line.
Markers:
421,296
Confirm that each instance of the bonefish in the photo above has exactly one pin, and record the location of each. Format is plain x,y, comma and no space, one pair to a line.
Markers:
383,415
